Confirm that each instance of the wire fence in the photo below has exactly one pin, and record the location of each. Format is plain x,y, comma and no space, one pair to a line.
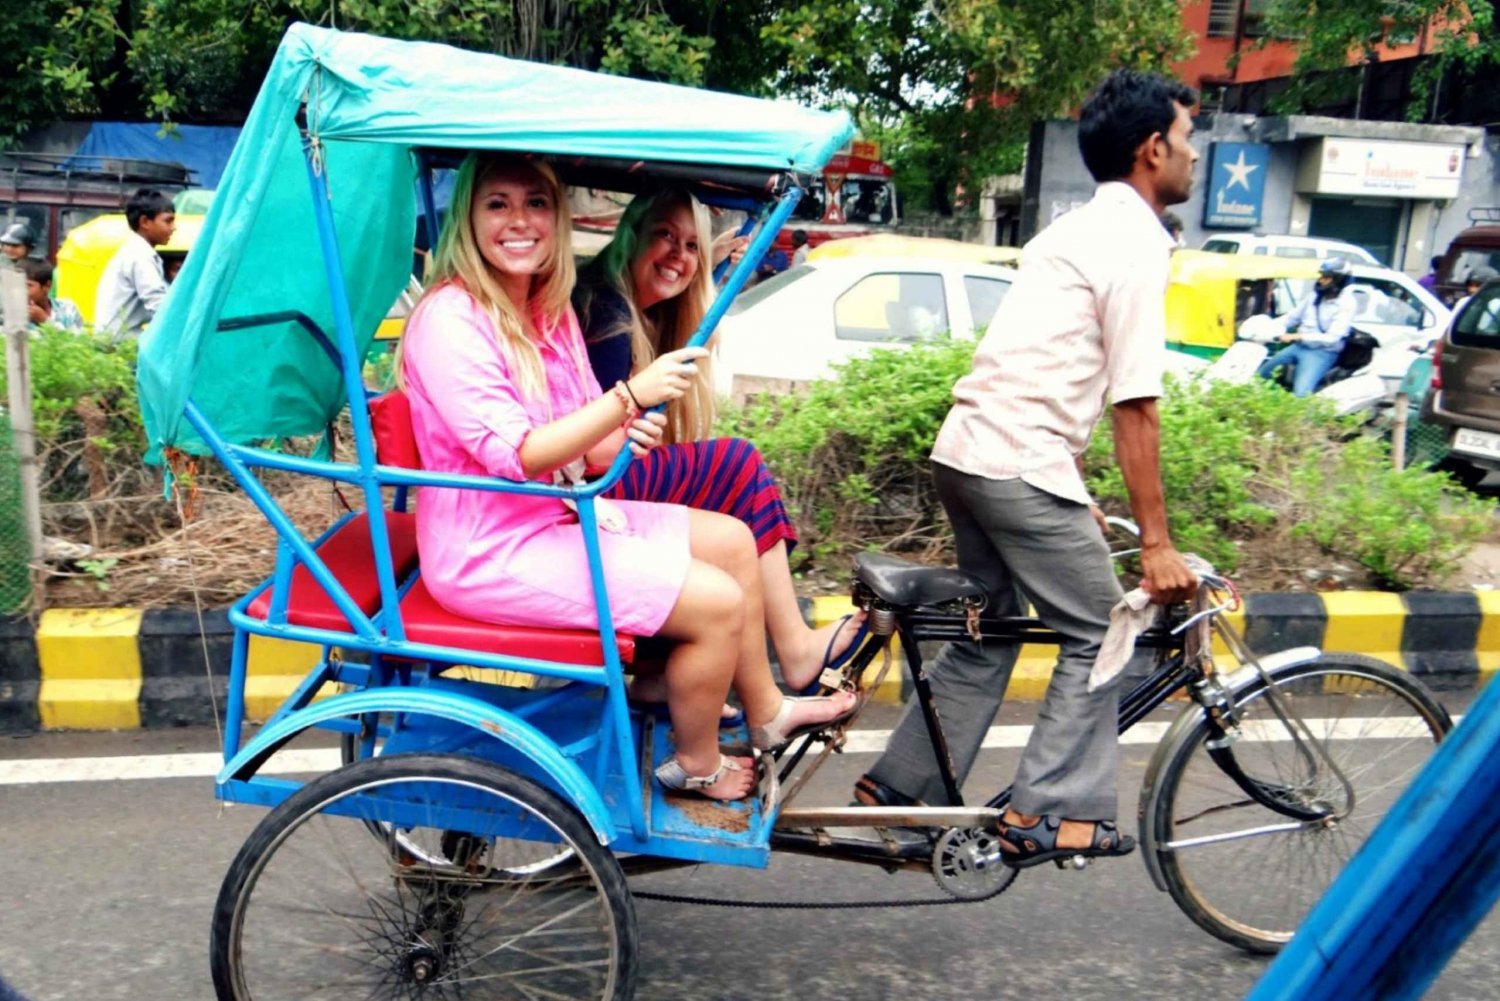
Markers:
15,547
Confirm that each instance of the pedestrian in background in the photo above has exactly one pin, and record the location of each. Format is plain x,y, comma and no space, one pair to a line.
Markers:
133,284
17,241
799,247
1172,222
1430,279
41,306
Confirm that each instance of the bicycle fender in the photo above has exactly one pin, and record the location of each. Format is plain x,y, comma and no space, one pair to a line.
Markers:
1151,851
463,709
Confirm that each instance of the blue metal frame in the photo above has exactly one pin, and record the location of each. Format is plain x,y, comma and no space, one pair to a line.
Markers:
1427,876
390,685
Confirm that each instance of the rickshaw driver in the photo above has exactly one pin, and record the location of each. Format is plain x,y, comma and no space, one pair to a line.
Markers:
1085,320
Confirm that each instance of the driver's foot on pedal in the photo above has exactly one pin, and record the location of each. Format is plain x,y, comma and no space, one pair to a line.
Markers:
1071,834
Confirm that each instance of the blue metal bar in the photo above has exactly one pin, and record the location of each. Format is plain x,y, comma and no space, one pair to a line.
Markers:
281,583
354,386
1427,875
234,706
617,709
358,620
748,226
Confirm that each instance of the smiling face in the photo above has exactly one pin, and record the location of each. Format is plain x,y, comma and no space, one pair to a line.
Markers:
666,261
514,216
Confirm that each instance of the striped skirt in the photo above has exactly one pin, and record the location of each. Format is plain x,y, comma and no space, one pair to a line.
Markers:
726,475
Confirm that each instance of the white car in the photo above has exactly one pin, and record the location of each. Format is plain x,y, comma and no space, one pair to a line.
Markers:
1288,246
796,326
1393,308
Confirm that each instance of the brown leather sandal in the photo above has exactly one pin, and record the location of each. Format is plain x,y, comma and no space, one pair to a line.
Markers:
1023,847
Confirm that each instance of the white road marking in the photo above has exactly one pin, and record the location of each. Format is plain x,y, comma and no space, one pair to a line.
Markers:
39,771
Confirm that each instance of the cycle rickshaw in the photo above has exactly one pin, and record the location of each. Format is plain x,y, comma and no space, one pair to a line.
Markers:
476,843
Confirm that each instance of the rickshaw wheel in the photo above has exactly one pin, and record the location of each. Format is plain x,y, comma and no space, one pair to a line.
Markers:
316,907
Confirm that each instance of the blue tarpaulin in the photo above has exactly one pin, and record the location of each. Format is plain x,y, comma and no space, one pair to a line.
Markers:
203,149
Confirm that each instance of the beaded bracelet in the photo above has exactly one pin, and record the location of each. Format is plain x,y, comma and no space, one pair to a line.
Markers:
627,400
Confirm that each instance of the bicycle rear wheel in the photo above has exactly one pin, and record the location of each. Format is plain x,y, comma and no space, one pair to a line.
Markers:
1247,873
446,904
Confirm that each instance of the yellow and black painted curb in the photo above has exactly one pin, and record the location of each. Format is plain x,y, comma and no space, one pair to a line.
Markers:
121,668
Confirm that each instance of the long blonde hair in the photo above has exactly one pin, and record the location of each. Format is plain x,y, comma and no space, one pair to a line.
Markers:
458,260
668,324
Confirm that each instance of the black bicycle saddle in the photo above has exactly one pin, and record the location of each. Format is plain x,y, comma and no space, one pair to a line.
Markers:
904,584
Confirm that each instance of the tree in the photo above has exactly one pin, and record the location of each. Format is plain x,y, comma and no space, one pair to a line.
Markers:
962,81
1332,36
203,60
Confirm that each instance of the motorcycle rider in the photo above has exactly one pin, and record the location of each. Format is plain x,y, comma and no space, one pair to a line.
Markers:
1316,329
1472,283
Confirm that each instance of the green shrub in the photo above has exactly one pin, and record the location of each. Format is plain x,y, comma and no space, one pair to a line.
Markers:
1257,481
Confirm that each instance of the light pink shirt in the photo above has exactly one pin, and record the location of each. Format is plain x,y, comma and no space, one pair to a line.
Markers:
509,558
1084,321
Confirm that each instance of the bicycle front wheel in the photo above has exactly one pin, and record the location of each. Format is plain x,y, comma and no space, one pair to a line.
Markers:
1247,872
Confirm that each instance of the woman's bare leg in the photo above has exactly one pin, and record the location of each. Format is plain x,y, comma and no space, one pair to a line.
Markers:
726,543
799,648
707,624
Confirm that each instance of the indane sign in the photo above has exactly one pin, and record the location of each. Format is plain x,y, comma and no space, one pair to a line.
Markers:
1381,167
1236,185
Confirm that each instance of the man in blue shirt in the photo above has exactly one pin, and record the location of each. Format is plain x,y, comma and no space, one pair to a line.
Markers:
1316,329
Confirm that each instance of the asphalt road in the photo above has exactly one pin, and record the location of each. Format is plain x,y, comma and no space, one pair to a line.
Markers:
106,891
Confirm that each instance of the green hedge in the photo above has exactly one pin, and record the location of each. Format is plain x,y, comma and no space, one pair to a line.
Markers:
1255,479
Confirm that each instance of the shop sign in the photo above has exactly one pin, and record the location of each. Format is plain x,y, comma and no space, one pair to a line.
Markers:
1336,166
1236,185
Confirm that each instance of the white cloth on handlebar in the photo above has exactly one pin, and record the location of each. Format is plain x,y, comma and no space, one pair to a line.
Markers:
1133,615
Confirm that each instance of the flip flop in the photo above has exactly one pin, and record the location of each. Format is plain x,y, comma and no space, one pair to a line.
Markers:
832,663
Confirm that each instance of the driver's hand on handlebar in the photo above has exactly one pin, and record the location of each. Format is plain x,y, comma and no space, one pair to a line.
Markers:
667,378
1166,577
645,432
1289,338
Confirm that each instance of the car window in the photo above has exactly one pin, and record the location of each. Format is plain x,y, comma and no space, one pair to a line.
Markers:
1386,302
771,285
1468,261
1285,251
892,307
1478,323
1260,251
984,298
1221,246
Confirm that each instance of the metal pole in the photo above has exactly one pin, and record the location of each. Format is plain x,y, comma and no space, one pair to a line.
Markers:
16,323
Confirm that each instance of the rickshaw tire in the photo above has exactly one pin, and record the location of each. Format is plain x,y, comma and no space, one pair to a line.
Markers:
309,799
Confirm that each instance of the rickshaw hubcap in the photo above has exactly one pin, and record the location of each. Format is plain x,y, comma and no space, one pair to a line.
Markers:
422,965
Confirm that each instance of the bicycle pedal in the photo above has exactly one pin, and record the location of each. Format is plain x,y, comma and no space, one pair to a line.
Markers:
1077,863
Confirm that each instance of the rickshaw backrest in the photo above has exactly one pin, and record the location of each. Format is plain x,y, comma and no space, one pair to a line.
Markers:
390,421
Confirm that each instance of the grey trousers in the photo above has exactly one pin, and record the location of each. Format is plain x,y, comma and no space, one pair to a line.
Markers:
1022,542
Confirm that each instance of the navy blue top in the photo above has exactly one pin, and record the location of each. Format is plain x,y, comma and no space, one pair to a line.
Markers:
606,333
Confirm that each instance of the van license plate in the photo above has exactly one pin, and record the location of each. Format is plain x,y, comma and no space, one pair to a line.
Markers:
1477,443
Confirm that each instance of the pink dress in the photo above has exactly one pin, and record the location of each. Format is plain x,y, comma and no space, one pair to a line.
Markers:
508,558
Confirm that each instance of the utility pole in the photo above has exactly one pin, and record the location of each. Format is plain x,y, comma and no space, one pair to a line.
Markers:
15,321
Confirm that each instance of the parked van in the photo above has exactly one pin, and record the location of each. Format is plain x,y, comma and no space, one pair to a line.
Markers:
1312,247
1476,247
1465,391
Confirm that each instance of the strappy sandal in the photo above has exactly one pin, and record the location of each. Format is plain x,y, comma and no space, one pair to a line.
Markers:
777,734
1038,843
835,664
672,775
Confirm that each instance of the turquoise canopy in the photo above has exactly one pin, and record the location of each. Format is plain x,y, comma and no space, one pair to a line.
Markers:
257,268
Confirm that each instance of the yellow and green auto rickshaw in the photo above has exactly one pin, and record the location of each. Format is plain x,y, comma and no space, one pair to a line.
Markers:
1210,295
88,248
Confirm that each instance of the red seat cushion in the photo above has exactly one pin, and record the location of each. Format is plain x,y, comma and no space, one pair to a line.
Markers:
390,423
428,622
351,558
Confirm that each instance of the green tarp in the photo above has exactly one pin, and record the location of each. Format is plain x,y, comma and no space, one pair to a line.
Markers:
369,102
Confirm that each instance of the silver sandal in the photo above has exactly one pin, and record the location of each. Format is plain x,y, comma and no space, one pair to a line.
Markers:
776,734
672,775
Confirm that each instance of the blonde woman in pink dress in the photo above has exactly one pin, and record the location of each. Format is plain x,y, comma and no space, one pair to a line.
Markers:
500,385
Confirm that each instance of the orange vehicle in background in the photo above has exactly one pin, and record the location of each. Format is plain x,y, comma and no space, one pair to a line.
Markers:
856,197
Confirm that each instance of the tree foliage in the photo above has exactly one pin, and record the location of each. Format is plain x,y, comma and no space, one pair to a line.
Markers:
1334,35
966,78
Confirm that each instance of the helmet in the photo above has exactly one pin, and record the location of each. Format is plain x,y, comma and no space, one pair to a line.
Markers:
19,234
1481,274
1336,267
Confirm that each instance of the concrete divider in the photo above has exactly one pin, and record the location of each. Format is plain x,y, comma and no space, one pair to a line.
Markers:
120,668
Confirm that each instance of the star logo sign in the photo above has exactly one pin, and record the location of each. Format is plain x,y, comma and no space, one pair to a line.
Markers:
1239,172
